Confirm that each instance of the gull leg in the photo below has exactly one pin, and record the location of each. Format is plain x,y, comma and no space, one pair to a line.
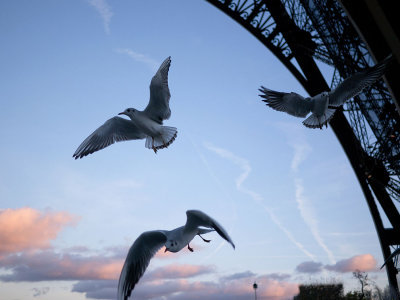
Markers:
190,248
207,241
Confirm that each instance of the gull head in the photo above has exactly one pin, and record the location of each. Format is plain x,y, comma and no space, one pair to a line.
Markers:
130,112
172,246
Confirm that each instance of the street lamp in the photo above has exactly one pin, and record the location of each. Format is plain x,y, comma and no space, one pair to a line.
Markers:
255,286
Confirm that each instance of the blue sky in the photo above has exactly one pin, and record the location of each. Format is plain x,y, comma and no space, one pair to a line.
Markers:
286,194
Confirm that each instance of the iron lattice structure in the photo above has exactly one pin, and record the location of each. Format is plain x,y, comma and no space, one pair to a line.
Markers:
368,128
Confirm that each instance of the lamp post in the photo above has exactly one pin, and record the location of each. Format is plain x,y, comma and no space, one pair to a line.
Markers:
255,286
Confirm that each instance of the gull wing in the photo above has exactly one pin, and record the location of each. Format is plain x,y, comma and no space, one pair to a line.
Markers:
113,130
395,252
354,84
196,218
137,260
291,103
158,107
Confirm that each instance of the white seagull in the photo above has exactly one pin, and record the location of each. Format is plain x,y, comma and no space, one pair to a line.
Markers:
395,253
142,124
324,105
148,243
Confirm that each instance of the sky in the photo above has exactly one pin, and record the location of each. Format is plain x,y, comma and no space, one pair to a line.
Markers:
286,194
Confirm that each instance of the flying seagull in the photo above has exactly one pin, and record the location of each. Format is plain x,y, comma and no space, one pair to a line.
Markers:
324,105
142,124
148,243
395,253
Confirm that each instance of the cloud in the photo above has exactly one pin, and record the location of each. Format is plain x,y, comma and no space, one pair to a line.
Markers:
246,168
97,289
363,262
235,276
139,57
309,267
270,287
78,263
105,12
180,271
26,228
48,265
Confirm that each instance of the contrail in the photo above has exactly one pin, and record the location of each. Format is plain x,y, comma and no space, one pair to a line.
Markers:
301,149
257,198
221,187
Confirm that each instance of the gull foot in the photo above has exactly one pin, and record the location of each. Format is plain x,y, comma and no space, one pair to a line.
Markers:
207,241
190,248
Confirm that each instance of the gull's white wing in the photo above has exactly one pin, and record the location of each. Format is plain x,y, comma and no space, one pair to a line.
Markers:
196,218
354,84
291,103
395,252
158,107
113,130
137,260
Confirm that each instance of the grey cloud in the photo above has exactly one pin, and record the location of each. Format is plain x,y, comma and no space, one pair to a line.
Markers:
49,265
362,262
309,267
246,274
228,287
179,271
97,289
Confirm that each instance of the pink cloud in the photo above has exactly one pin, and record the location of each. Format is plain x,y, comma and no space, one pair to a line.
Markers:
48,265
26,228
271,286
268,288
273,289
236,286
363,262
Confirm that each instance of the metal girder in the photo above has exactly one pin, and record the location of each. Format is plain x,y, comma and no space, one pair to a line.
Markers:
292,30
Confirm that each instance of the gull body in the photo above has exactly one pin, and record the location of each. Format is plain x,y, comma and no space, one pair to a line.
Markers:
148,243
323,106
146,124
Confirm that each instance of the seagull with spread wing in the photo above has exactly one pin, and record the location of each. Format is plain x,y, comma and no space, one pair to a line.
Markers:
148,243
142,124
324,105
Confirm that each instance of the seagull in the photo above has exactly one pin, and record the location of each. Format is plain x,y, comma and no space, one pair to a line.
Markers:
395,253
142,124
149,242
324,105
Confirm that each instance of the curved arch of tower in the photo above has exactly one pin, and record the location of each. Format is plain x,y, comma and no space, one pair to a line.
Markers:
368,127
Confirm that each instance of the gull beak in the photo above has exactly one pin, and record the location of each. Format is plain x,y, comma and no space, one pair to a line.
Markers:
166,249
122,113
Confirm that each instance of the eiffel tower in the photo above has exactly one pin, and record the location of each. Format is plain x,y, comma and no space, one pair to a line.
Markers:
348,35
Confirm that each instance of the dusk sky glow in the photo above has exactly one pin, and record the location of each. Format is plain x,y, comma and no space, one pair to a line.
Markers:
286,194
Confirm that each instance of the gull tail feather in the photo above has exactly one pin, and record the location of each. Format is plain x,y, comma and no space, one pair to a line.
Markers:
167,137
314,122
